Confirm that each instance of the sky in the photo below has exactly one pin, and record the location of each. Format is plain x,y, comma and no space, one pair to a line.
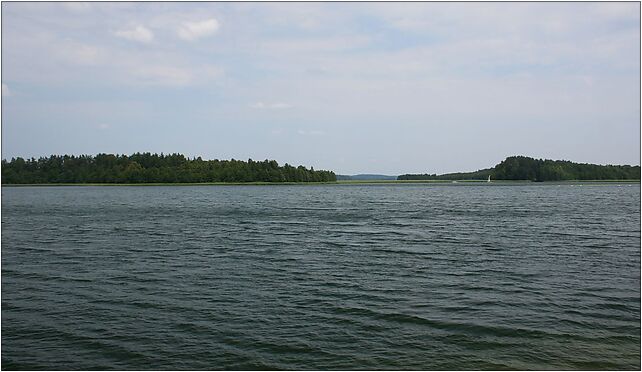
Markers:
386,88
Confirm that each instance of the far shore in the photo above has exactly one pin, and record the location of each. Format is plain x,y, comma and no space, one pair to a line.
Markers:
343,182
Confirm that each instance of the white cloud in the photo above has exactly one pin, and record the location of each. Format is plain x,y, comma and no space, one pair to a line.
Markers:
302,132
315,45
179,75
80,54
163,75
271,106
86,54
5,90
76,6
194,30
211,72
139,33
118,65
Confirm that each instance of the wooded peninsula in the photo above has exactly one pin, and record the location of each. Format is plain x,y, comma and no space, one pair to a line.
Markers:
152,168
524,168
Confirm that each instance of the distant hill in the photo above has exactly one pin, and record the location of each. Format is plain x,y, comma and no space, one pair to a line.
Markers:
525,168
364,177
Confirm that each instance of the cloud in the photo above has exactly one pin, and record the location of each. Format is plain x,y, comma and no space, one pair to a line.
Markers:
302,132
271,106
163,75
5,90
77,7
211,72
86,54
139,33
117,65
171,74
80,54
194,30
315,45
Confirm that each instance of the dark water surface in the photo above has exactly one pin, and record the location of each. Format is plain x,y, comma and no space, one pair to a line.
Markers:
321,277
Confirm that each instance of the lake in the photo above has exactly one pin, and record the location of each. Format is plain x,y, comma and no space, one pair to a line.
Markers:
390,276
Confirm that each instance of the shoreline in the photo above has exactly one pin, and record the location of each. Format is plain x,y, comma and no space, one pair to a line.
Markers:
343,182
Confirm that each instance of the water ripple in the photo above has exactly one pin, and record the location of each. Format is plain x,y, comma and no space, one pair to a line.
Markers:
321,277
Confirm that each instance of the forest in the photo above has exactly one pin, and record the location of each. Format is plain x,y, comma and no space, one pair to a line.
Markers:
481,174
538,170
152,168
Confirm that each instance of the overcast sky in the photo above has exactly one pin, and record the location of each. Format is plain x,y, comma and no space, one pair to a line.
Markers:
352,87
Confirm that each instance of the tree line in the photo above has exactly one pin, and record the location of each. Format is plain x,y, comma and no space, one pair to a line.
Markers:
152,168
526,168
481,174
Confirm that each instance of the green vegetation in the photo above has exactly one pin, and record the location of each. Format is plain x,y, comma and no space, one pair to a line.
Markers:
525,168
365,177
147,168
151,168
478,175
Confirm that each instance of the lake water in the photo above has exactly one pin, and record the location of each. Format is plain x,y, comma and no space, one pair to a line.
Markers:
538,276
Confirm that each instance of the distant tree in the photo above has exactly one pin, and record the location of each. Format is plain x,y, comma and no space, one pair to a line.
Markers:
147,167
525,168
